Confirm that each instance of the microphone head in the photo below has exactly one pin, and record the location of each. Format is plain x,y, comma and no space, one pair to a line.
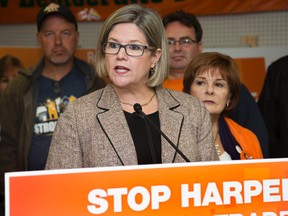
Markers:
137,107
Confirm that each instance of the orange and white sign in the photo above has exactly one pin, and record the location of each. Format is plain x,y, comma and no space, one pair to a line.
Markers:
25,11
236,188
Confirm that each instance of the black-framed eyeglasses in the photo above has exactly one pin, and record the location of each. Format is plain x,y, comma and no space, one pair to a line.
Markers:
182,42
134,50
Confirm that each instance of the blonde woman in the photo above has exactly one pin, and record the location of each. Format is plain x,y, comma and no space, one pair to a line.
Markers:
101,129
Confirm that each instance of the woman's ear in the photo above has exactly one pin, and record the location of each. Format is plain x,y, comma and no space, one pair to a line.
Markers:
156,57
228,101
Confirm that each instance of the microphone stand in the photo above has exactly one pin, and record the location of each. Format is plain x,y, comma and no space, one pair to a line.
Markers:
152,150
138,110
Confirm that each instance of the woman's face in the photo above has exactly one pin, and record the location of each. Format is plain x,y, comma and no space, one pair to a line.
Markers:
7,77
125,70
212,90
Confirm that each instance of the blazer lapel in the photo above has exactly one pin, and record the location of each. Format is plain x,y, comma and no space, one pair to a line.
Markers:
115,126
171,122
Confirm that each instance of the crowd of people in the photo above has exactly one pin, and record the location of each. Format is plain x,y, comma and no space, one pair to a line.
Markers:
150,74
184,34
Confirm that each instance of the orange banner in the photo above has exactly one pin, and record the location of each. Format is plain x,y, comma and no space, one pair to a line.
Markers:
236,188
24,11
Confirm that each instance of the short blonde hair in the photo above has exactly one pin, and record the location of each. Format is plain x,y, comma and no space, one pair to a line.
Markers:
150,23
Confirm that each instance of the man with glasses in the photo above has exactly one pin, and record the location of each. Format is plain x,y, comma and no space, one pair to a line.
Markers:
37,97
184,34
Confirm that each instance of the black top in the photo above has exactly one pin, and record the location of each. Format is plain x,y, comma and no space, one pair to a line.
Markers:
273,103
140,133
248,115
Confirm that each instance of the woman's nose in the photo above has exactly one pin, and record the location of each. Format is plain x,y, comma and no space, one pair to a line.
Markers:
209,89
122,53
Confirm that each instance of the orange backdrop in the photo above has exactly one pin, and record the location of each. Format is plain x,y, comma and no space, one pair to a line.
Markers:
24,11
252,74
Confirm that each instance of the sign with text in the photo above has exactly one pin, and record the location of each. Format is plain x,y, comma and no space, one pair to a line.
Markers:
236,188
24,11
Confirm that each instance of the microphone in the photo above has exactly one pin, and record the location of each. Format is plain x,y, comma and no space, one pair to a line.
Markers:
138,109
150,141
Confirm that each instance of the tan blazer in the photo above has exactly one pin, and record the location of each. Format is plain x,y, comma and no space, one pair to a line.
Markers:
93,131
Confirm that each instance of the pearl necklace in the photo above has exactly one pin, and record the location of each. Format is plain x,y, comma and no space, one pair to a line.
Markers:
145,104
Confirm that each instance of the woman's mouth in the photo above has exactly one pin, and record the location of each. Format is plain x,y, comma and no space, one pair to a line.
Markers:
121,69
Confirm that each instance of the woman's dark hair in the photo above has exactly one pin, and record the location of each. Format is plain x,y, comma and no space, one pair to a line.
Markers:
187,19
215,62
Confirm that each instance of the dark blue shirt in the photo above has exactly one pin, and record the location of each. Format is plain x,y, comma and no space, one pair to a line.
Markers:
52,99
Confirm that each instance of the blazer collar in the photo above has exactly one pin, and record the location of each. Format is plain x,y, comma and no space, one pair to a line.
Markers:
171,121
115,126
117,130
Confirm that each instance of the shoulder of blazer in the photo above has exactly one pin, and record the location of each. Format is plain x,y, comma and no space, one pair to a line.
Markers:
176,98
